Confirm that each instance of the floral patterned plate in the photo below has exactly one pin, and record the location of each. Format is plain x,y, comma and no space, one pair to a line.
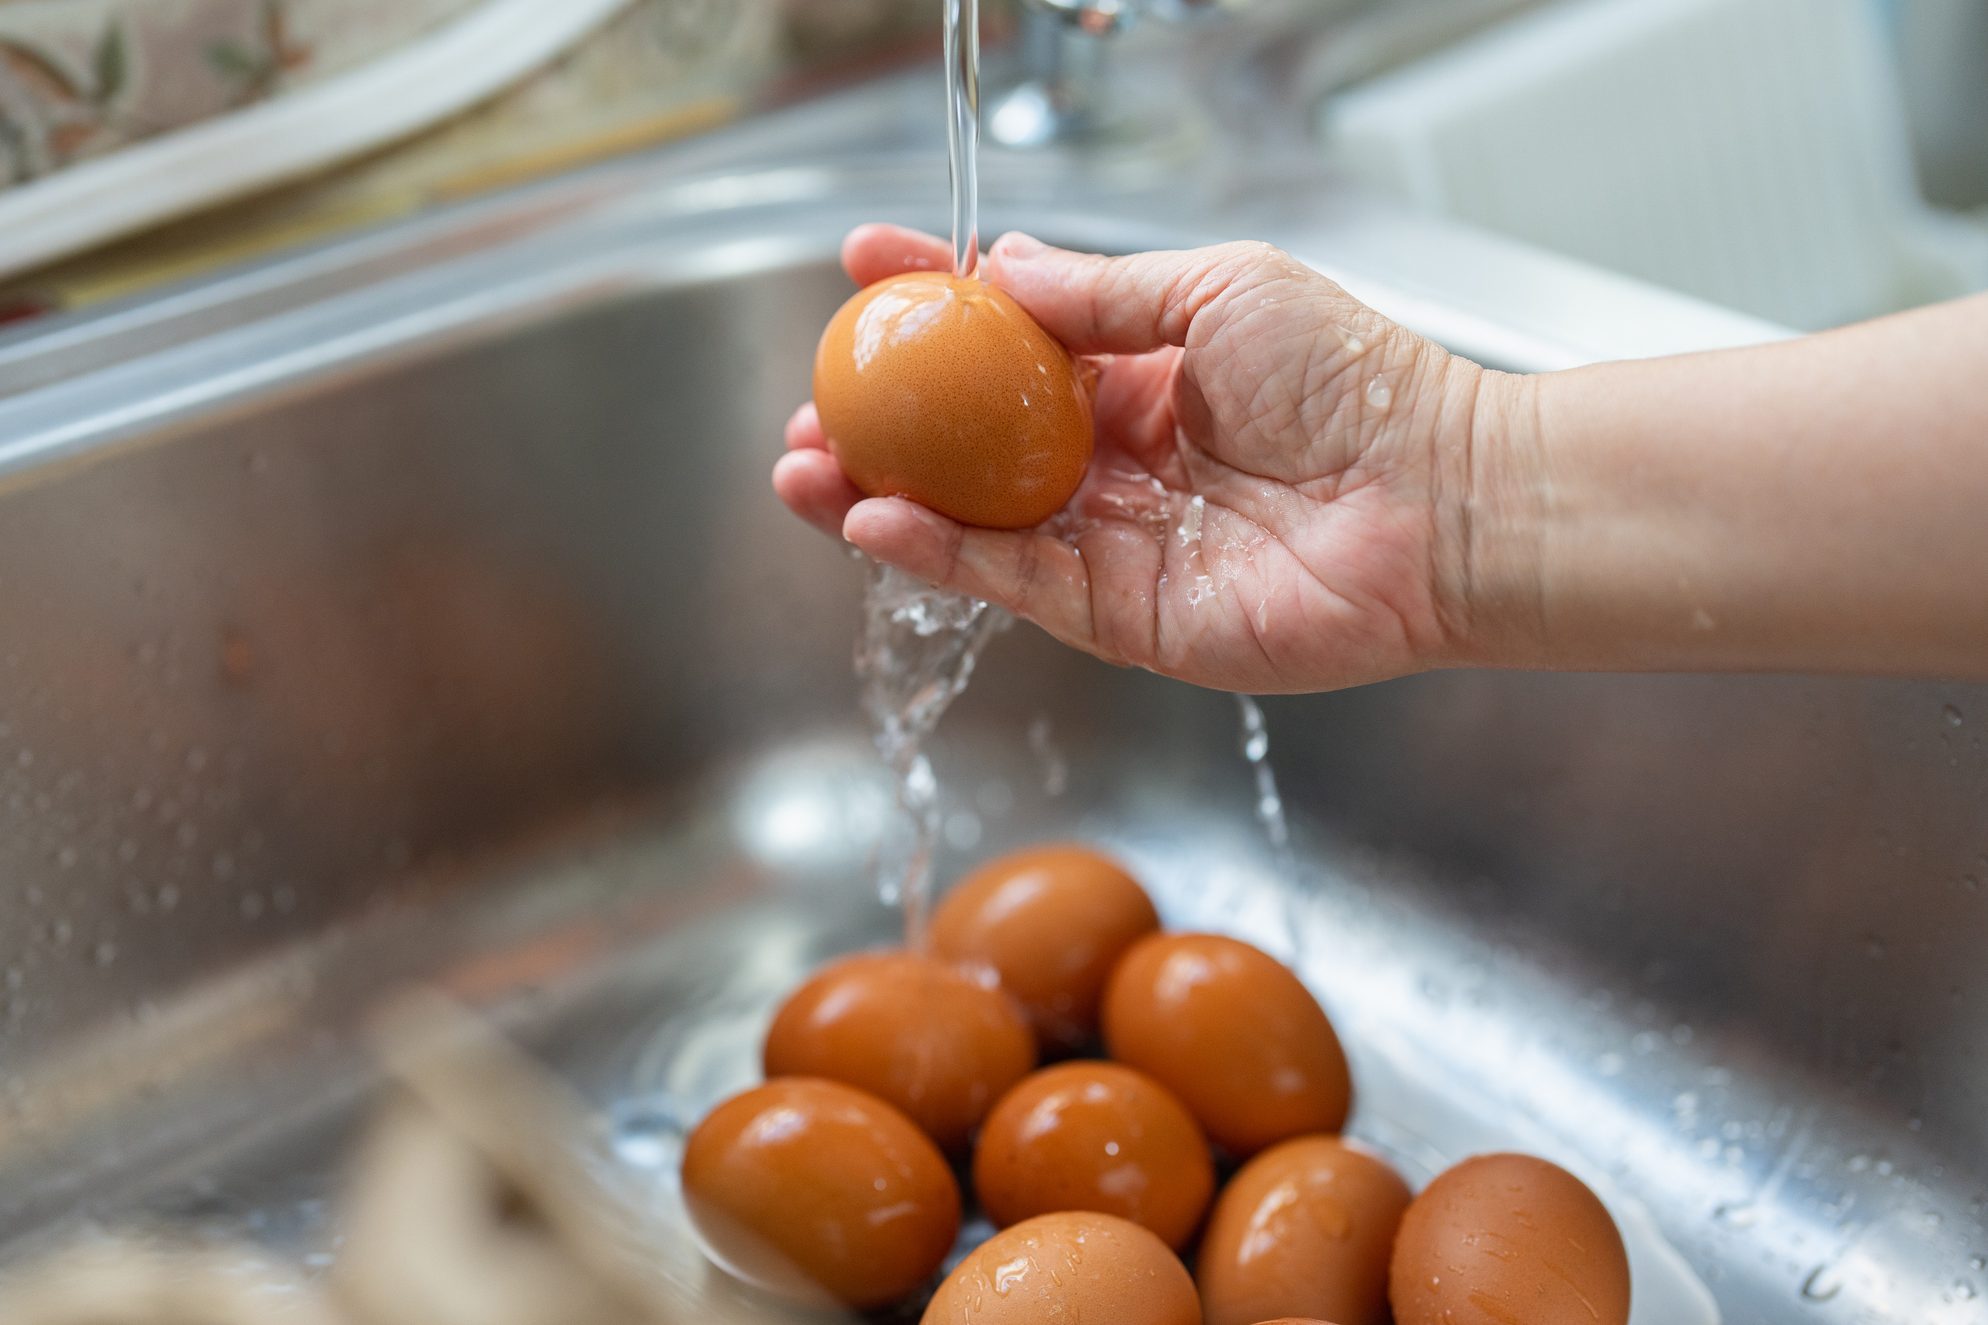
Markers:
118,114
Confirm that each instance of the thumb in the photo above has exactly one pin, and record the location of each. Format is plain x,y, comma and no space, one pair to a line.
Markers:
1133,304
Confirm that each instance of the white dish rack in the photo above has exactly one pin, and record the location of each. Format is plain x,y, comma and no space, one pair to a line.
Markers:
1754,153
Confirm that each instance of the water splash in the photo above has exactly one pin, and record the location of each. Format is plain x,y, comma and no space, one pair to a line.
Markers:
915,653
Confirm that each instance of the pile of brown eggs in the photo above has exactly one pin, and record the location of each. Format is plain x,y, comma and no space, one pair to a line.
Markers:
833,1183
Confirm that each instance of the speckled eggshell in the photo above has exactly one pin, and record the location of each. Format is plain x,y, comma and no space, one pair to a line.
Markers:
1050,922
1233,1033
935,1041
1509,1238
1308,1225
947,392
1068,1269
815,1191
1095,1136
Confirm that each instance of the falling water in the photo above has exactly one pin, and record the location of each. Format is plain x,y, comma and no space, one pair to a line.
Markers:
914,656
963,130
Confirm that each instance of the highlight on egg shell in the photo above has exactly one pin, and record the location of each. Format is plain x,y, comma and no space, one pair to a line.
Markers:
932,1039
1050,922
1095,1136
1233,1033
1307,1226
816,1192
1501,1238
944,390
1074,1268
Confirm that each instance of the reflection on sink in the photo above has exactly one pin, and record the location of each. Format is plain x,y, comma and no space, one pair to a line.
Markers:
422,612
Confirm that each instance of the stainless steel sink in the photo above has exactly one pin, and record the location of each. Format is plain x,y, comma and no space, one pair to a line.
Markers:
417,609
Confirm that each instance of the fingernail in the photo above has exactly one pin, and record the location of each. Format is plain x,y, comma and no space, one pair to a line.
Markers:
1015,244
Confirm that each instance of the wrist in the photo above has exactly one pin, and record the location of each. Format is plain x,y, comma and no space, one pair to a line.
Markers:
1490,521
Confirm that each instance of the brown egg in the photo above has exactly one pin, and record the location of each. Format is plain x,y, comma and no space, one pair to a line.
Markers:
1305,1226
947,392
1233,1033
1095,1136
928,1037
1504,1238
1070,1268
810,1188
1050,922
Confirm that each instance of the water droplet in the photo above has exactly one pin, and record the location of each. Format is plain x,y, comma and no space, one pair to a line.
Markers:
25,759
1821,1284
106,953
1964,1290
66,858
168,897
251,906
1954,716
1379,394
1354,345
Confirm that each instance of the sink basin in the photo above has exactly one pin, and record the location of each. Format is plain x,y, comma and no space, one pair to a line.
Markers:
416,610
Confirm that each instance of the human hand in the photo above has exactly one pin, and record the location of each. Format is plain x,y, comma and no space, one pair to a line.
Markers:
1280,493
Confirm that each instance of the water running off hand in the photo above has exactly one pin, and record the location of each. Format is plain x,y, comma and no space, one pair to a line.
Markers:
915,654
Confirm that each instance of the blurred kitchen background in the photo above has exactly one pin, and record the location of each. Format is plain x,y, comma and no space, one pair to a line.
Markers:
1810,162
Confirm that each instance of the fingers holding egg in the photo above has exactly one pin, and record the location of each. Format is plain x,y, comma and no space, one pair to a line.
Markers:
929,1038
945,391
876,250
814,487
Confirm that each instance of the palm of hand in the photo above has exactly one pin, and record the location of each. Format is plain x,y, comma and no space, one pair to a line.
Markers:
1257,515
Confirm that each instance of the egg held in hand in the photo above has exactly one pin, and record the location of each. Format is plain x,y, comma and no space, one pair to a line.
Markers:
820,1193
1095,1136
1050,922
946,391
1071,1269
937,1042
1308,1226
1502,1238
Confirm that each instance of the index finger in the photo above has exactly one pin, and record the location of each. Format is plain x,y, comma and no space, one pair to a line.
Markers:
872,252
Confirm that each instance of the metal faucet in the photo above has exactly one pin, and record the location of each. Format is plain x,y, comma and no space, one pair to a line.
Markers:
1058,94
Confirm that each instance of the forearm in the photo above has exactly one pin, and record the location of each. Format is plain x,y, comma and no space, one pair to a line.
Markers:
1818,505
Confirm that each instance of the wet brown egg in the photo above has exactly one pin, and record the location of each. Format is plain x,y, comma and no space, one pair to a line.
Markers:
1050,922
1070,1268
1307,1225
1095,1136
930,1038
813,1190
947,392
1232,1032
1504,1238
